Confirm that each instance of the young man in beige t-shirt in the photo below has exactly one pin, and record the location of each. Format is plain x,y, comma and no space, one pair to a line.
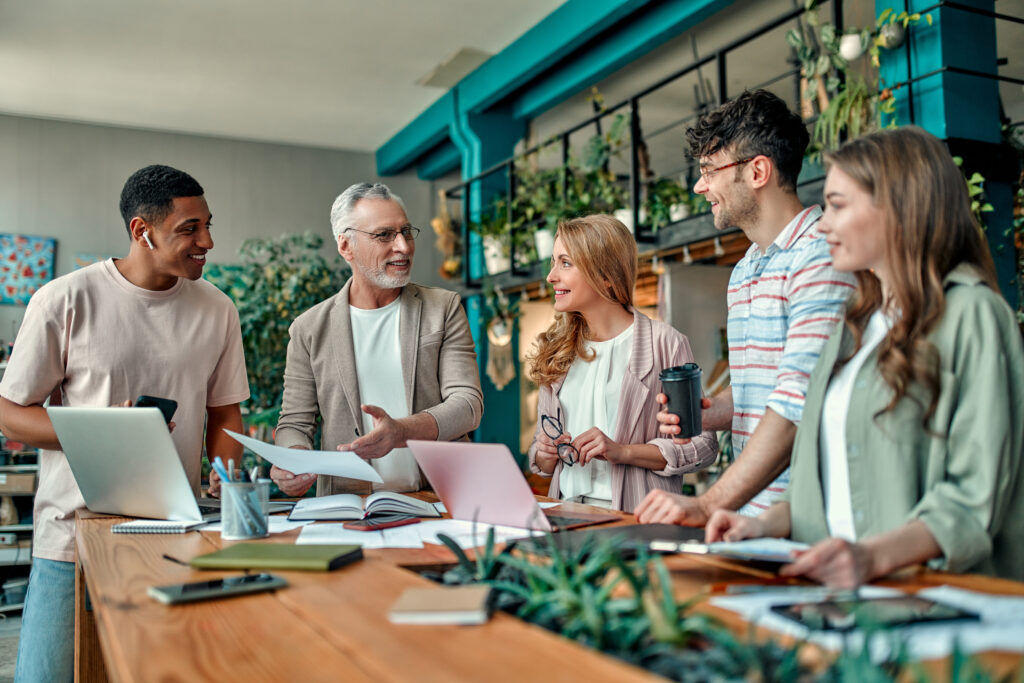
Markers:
103,335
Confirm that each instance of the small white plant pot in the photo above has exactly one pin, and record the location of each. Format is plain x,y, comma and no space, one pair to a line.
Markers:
496,259
678,212
851,46
544,240
626,217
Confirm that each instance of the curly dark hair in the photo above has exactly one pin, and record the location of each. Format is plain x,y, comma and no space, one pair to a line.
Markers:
755,123
150,191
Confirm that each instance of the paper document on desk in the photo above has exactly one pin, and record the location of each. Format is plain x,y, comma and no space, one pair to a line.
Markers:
276,525
762,549
470,534
333,463
1000,627
335,533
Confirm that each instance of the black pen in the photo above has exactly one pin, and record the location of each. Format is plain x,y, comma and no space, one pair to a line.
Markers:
174,559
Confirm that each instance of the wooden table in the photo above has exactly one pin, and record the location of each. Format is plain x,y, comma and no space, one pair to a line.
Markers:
324,626
331,626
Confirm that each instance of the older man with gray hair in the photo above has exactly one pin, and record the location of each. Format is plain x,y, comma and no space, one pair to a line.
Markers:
382,361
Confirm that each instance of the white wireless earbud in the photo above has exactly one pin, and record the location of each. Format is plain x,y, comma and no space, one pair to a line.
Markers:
145,236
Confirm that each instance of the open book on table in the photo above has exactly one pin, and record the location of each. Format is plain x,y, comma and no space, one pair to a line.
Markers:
342,506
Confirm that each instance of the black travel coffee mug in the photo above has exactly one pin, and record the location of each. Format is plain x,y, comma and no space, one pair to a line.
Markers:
682,386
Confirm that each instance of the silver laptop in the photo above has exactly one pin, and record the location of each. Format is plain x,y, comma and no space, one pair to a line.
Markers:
125,462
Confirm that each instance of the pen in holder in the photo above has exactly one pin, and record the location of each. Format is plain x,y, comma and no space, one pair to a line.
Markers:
243,510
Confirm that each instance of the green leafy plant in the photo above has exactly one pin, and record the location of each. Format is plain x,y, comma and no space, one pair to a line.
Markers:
662,195
883,32
627,609
545,195
849,104
278,279
497,302
976,190
854,110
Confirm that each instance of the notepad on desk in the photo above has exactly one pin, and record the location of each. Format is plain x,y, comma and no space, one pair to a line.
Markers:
343,506
154,526
458,606
279,556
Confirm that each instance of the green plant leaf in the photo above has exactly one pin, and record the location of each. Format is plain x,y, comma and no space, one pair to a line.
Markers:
460,555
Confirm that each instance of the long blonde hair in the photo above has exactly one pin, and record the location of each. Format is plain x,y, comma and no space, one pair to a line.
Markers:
931,230
605,252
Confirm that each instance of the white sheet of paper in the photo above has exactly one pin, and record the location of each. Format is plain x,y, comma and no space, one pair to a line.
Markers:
278,524
468,534
335,532
333,463
1001,626
407,536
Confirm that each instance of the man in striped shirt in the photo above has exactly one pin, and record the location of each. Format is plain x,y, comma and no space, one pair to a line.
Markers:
784,300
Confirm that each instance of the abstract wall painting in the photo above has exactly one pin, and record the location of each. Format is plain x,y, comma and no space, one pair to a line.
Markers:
26,264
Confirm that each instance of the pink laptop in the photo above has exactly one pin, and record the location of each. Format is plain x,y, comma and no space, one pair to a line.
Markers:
482,482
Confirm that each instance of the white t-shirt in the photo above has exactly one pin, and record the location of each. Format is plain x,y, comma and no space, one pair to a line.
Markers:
92,338
835,470
381,383
590,398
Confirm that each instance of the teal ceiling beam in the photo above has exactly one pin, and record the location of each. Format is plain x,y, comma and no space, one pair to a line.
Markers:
574,46
443,159
650,29
557,36
419,137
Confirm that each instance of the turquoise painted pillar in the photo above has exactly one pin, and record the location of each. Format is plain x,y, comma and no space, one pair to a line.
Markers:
959,108
484,140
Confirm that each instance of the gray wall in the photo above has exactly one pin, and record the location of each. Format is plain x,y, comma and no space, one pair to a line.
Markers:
63,180
696,305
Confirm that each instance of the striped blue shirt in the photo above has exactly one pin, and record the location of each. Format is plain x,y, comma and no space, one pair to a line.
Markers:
783,305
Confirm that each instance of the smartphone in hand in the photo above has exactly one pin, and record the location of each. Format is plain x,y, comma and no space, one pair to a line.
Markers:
167,406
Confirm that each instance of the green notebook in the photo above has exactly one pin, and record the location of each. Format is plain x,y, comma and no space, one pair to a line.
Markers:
318,558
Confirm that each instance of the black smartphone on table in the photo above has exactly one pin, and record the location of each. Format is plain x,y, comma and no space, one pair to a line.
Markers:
212,589
167,406
847,614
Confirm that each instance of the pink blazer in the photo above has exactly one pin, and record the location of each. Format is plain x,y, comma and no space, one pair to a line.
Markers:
656,345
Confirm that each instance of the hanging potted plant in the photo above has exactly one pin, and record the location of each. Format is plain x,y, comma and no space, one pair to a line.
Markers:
493,230
667,202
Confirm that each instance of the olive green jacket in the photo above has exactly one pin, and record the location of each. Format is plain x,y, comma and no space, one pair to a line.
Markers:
967,485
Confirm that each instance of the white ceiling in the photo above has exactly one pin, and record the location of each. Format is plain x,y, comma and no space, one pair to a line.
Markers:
327,73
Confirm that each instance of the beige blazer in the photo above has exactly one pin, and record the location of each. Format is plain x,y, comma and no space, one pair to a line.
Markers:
438,365
656,345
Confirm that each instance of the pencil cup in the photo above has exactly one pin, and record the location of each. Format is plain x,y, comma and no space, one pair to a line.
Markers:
243,510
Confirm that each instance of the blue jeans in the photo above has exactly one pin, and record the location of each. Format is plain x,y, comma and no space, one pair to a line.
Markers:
46,647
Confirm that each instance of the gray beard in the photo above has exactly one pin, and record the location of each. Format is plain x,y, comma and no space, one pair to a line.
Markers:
380,278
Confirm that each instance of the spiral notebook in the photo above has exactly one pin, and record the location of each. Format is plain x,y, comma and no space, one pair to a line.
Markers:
154,526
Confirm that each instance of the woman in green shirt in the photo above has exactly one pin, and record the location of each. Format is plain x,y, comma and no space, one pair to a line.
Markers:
911,441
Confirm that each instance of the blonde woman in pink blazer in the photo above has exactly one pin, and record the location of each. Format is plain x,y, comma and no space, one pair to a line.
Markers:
597,367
